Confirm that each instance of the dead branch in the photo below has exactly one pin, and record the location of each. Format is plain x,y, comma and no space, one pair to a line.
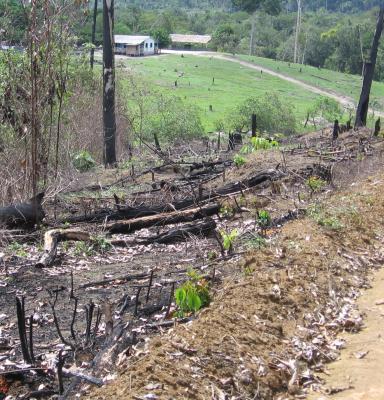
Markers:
52,239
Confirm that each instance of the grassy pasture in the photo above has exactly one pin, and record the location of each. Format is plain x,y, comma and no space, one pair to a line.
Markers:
232,84
337,82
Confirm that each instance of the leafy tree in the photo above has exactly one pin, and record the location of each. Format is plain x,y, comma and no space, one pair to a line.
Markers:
273,115
270,6
162,37
171,119
326,108
13,21
225,39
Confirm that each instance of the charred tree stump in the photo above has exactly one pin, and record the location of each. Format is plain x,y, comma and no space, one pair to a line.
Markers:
52,239
377,127
336,130
157,143
109,117
349,126
20,310
369,69
24,214
254,125
231,142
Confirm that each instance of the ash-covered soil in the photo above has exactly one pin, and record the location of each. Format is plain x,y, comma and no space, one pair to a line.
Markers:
279,299
270,331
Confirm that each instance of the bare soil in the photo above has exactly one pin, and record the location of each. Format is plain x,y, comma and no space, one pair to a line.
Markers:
357,375
269,332
276,311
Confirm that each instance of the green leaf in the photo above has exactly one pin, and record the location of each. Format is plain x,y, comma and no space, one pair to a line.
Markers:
180,296
193,301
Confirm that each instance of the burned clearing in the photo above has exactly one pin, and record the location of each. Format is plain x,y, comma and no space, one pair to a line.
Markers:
92,293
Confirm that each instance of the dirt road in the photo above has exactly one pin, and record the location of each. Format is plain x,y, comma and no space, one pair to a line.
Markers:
358,374
345,101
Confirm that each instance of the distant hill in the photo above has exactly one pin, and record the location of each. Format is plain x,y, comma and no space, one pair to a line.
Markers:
346,6
172,4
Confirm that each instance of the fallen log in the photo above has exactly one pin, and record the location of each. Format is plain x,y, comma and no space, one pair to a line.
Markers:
204,228
163,219
23,214
206,195
121,279
52,239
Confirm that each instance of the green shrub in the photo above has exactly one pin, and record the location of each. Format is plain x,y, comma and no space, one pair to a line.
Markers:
100,244
326,218
273,115
17,249
239,160
83,161
258,143
226,211
315,183
192,295
263,218
229,239
83,249
255,242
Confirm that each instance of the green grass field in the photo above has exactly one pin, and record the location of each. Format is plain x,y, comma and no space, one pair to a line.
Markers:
337,82
233,84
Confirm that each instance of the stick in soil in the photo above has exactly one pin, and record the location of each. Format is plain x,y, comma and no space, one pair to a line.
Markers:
71,295
149,287
74,319
20,310
56,321
97,322
89,315
137,301
125,304
60,364
170,300
31,339
216,236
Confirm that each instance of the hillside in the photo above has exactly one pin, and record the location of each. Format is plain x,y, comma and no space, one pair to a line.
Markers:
336,82
194,76
232,85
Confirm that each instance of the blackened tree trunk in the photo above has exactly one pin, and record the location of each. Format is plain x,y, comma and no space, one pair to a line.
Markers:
362,108
109,85
254,126
93,33
336,130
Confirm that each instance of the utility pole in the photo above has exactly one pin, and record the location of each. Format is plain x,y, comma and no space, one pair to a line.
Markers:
93,33
369,69
297,32
109,118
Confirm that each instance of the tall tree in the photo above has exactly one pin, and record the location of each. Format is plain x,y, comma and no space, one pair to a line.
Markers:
369,69
109,117
272,7
93,32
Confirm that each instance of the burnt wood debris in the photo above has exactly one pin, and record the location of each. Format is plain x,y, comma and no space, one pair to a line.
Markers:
188,210
24,214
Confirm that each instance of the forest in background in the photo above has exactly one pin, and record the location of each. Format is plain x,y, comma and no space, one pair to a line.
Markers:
333,34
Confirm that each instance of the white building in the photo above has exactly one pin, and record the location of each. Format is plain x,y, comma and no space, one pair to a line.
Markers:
135,46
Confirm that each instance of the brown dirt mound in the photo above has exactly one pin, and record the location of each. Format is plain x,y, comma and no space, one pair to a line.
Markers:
266,333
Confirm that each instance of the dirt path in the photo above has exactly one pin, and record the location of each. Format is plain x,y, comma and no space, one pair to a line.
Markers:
362,375
345,101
